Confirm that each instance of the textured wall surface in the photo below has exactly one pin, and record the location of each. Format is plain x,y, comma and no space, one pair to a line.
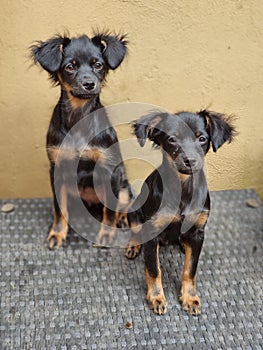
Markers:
183,55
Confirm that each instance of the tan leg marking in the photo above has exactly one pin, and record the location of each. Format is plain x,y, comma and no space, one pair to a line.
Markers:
59,230
107,230
189,298
133,248
124,203
155,295
201,219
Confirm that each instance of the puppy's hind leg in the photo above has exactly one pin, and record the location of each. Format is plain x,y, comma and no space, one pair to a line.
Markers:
124,202
133,248
109,222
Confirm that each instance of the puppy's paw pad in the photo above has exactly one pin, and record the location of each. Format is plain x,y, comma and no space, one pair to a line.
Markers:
106,237
122,221
158,304
191,304
131,252
56,240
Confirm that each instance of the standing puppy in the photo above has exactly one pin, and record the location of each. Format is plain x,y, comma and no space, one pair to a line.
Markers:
174,203
80,65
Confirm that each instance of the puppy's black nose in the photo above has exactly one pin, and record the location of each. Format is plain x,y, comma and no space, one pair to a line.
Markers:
88,85
189,162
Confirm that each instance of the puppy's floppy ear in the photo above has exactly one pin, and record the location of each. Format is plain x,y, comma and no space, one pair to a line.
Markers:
220,128
113,47
145,127
49,54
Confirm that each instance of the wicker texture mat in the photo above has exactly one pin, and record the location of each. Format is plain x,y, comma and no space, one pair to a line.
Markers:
81,297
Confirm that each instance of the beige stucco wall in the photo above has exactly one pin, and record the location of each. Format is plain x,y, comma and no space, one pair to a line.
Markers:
183,55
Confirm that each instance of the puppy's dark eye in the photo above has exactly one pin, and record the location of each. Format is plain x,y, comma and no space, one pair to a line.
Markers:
202,140
172,140
70,67
98,65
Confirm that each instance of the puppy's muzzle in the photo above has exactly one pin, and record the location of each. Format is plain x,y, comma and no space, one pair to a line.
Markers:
88,85
189,162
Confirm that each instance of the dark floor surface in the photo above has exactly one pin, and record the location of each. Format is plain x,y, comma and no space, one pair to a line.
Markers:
81,297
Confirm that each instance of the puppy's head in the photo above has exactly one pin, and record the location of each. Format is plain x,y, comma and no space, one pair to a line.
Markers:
185,137
80,64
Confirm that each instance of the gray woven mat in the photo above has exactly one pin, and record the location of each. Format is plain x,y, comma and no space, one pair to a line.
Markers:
82,297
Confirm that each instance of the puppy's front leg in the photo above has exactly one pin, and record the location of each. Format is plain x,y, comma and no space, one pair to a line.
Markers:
192,244
155,295
59,230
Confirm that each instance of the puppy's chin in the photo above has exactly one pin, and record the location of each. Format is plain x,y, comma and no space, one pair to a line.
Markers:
187,171
84,96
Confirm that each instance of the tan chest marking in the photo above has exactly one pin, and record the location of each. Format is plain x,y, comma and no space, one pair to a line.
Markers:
183,177
164,219
74,101
95,154
199,219
57,154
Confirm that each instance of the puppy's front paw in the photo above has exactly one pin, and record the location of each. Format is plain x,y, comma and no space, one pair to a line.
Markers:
122,221
191,303
106,236
158,303
132,251
56,239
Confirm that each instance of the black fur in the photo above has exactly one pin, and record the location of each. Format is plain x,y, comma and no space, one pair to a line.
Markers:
178,191
56,52
80,65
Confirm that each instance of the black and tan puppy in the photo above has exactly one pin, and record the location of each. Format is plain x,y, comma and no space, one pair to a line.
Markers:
174,203
80,65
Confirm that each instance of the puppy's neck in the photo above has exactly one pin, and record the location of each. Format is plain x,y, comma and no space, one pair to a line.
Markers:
78,104
184,177
171,167
74,109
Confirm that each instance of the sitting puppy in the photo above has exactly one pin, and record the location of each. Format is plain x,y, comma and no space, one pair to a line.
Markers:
174,203
80,66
